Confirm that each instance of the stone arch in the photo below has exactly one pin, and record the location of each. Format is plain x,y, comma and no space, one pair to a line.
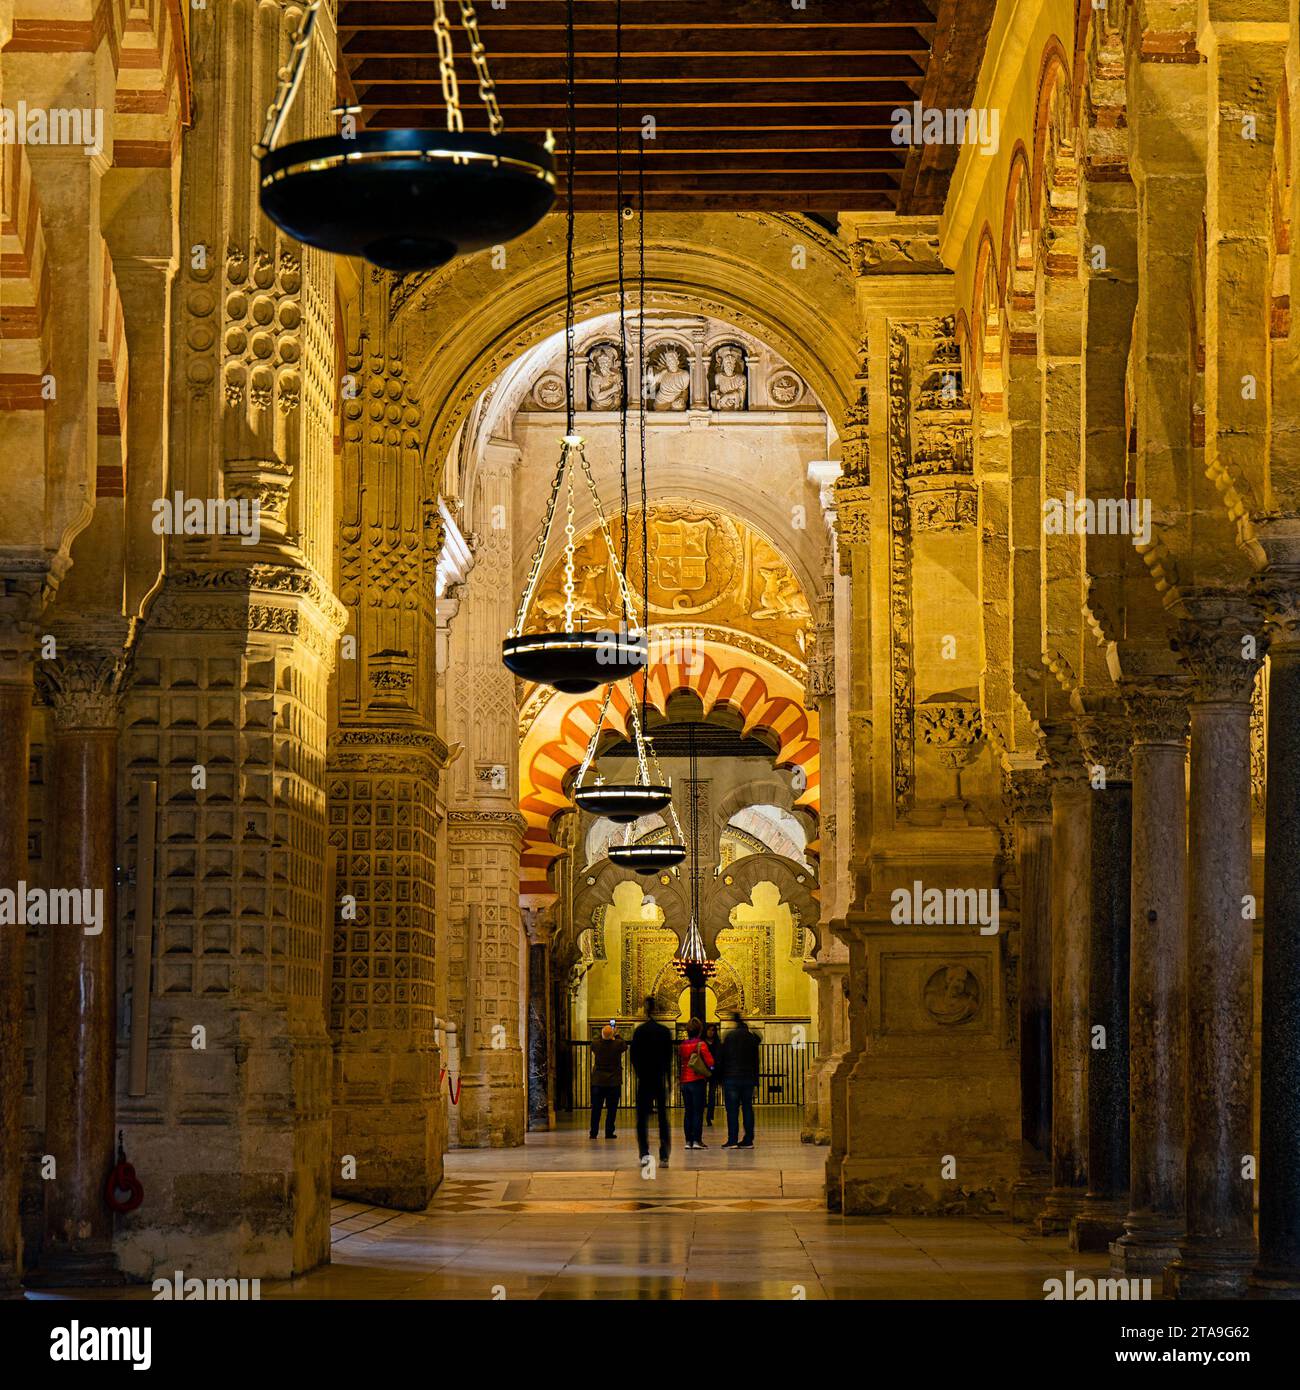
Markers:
808,318
555,735
595,889
797,886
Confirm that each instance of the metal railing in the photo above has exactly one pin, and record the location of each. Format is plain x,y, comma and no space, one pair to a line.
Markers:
782,1068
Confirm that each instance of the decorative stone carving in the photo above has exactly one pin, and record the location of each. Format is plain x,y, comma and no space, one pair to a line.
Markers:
1157,713
728,388
895,255
1107,741
952,995
785,389
549,393
1030,792
1221,660
83,685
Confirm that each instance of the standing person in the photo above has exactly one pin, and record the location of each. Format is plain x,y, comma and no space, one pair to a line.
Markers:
606,1079
697,1067
652,1061
740,1054
712,1040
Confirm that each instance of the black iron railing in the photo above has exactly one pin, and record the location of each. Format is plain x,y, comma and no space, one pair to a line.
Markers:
782,1068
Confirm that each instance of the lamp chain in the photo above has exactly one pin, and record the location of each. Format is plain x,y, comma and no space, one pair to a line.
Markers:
447,67
487,89
568,558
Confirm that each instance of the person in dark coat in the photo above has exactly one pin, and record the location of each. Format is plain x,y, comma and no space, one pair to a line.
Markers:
740,1066
652,1060
713,1041
606,1079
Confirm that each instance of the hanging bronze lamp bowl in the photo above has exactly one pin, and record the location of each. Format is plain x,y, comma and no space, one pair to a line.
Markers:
647,859
575,663
622,803
407,200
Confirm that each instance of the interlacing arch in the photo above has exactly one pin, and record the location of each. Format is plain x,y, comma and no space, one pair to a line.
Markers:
766,699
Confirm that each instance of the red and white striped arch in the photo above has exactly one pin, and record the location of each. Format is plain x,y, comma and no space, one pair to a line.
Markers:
555,743
24,287
147,42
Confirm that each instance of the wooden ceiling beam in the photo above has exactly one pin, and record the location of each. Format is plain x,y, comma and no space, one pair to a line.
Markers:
669,73
641,14
641,97
508,45
867,119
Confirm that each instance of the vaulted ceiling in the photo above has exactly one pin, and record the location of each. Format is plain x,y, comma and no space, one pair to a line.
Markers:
757,105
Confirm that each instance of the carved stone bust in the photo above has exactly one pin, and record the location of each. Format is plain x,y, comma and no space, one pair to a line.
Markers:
669,382
604,378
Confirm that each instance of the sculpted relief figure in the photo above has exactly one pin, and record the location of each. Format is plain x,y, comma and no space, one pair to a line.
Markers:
728,391
604,378
669,386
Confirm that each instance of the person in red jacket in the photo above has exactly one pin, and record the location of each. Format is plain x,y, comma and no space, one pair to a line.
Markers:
697,1066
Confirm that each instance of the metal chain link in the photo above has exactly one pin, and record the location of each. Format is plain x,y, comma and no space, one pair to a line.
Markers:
535,568
569,544
447,67
634,629
595,737
487,89
289,79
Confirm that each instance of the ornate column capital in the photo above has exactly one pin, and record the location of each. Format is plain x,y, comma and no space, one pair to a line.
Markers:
1157,711
1277,593
27,584
1220,643
83,684
1065,759
1107,740
1030,793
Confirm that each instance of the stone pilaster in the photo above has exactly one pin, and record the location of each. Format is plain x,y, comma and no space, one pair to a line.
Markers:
1100,1220
1157,982
82,685
1071,915
1221,649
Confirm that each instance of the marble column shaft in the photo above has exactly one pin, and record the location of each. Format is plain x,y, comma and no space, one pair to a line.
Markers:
1071,869
79,1105
1157,989
15,747
1101,1219
1278,1270
1219,1248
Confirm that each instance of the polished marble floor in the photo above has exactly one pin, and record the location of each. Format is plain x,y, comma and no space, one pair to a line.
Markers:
570,1217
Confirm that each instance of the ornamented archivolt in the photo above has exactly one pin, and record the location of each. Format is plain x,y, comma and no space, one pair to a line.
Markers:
706,568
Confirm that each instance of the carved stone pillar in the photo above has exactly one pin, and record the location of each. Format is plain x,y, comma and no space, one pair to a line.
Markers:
227,712
1071,877
82,686
1031,800
827,972
1222,653
1157,983
487,970
1101,1218
22,585
385,761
